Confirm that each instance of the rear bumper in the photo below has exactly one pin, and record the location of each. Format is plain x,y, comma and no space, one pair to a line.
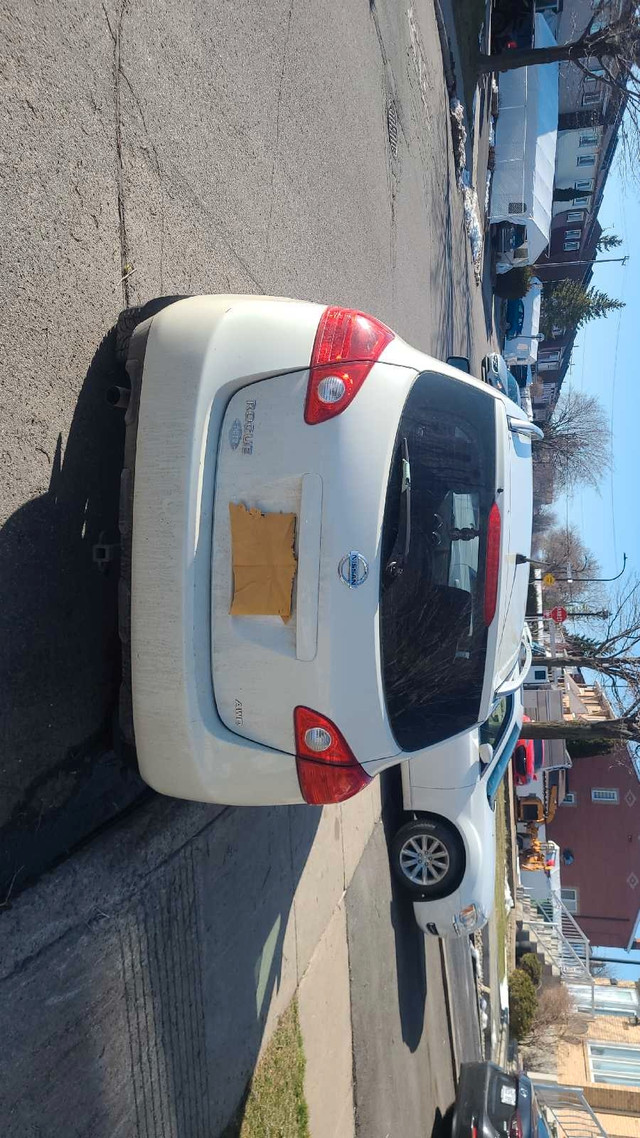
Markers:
472,1101
191,360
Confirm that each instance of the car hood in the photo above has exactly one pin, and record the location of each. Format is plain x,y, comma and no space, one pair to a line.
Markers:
448,765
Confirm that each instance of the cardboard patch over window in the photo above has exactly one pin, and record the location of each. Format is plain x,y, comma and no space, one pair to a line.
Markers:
263,562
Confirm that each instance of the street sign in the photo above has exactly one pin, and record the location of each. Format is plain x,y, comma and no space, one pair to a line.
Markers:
548,580
558,614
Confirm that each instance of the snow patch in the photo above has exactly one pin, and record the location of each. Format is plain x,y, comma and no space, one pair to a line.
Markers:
471,207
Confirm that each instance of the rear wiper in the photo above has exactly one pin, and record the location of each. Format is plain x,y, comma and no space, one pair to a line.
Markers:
396,562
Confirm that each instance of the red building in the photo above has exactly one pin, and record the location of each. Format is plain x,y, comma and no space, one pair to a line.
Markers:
598,830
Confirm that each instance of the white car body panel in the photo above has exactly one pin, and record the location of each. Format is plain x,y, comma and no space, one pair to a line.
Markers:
449,781
199,354
257,662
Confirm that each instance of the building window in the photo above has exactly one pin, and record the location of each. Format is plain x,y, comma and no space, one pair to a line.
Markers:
614,1063
570,798
571,246
605,794
575,215
572,234
590,98
583,185
586,160
607,1001
548,356
588,139
569,898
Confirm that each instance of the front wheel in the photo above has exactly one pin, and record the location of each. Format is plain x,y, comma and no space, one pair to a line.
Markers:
427,858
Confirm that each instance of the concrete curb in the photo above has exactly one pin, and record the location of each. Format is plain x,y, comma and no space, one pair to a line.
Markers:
447,54
450,1021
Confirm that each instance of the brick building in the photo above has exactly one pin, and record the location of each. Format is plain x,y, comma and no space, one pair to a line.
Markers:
598,829
605,1060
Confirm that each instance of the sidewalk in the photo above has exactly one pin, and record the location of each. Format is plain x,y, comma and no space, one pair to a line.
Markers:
142,979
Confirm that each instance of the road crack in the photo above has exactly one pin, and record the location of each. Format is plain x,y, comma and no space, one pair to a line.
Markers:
116,36
278,114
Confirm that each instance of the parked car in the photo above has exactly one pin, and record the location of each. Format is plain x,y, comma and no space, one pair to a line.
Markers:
369,603
528,759
491,1102
514,318
445,856
496,372
512,24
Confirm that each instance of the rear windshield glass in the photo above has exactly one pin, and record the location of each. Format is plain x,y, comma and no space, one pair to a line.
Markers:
433,556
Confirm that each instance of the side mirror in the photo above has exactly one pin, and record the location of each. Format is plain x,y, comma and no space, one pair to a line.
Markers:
461,362
485,754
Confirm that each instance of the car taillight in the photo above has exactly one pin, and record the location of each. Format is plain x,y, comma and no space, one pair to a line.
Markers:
515,1130
492,568
328,771
346,346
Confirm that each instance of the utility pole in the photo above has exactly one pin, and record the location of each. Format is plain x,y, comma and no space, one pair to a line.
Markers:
602,614
522,560
570,264
614,960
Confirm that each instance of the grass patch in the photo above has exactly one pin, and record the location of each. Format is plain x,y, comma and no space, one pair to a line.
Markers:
469,18
501,863
275,1106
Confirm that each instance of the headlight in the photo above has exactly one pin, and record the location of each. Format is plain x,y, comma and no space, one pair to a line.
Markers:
469,919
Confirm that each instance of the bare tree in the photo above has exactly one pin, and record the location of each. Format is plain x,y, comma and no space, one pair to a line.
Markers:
557,1020
564,554
615,657
615,45
544,519
624,729
606,51
615,652
577,440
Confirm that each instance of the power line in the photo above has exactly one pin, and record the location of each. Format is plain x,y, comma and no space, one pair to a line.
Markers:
611,420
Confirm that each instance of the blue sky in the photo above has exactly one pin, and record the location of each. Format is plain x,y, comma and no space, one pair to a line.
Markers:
606,363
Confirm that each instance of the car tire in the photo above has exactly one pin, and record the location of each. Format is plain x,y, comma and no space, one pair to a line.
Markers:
129,319
442,844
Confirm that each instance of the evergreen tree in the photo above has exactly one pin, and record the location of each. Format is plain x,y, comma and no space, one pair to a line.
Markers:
607,242
567,304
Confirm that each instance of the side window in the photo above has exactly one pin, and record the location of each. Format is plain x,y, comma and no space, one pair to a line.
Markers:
494,727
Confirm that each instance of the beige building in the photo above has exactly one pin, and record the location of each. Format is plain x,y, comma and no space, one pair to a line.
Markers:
605,1061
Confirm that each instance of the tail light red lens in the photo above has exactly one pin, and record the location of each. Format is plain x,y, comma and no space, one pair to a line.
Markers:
492,569
346,346
328,771
515,1130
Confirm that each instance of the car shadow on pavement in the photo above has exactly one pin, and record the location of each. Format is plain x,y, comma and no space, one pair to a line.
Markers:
442,1123
409,940
59,647
216,942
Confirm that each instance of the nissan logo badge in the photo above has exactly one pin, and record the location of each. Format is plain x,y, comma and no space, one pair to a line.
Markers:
353,569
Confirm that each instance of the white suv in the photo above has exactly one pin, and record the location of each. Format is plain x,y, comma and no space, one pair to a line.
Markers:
409,487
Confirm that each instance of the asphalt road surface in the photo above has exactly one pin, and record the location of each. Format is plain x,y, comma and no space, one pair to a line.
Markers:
413,1003
179,148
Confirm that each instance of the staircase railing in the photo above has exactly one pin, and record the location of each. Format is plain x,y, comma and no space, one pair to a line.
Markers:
569,1110
560,936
